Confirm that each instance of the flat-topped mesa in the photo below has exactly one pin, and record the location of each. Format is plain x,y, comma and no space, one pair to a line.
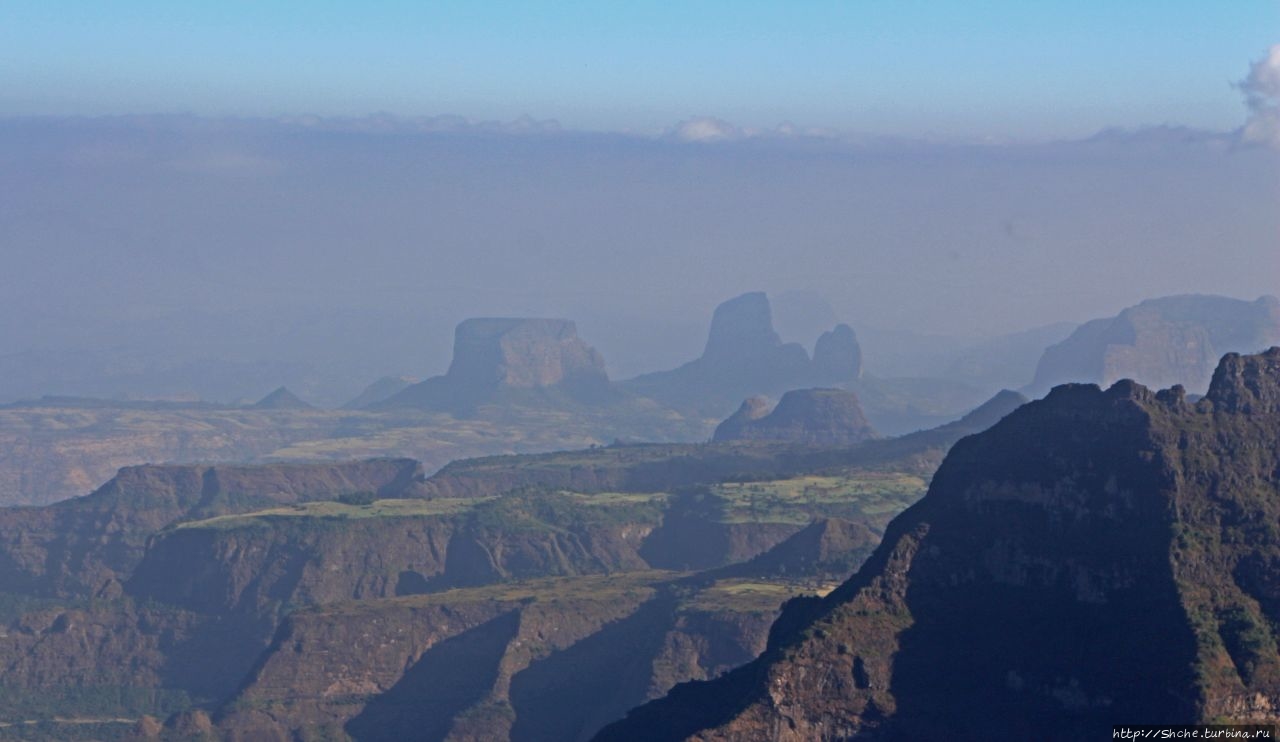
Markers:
523,353
1096,557
826,417
494,354
1161,342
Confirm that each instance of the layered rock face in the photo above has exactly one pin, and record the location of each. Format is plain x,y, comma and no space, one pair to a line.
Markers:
744,356
1161,342
84,547
523,353
495,354
827,417
1095,558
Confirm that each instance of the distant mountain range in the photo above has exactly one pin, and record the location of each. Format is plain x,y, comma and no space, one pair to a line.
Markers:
1161,342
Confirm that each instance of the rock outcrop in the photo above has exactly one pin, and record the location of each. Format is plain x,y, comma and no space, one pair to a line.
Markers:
1095,558
1161,342
744,357
491,355
822,417
837,357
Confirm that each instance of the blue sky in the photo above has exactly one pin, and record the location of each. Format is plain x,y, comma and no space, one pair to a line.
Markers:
1003,68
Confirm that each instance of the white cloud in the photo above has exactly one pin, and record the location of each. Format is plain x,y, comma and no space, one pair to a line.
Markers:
705,129
1262,95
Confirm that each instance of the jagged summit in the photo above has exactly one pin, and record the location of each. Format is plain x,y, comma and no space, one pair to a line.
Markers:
1161,342
1096,557
829,417
1248,384
281,399
744,356
494,354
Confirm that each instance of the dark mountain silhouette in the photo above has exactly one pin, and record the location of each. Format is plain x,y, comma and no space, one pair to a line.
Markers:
1161,342
744,356
280,399
1095,558
826,417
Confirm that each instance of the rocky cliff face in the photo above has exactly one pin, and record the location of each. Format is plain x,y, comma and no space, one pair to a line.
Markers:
1097,557
521,597
824,417
552,660
86,546
1161,342
744,356
493,354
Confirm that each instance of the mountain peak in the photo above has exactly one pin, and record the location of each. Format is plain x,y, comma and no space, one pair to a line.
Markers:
281,399
1094,558
829,417
1247,383
741,326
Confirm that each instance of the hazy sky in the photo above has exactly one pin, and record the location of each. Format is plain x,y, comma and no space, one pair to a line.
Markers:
941,68
210,187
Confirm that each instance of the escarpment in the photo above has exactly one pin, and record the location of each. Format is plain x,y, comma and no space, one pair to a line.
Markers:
1094,558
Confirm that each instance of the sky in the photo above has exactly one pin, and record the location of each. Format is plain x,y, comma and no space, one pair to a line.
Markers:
938,68
217,198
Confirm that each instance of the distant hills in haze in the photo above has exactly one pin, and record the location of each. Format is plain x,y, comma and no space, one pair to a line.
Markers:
529,384
1161,342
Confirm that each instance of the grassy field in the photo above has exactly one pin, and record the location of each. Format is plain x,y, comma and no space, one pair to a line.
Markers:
751,596
873,496
330,509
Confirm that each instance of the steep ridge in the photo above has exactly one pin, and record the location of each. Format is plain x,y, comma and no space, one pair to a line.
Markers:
378,391
1096,557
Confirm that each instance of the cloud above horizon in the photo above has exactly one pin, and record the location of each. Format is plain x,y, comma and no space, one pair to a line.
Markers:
1262,96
